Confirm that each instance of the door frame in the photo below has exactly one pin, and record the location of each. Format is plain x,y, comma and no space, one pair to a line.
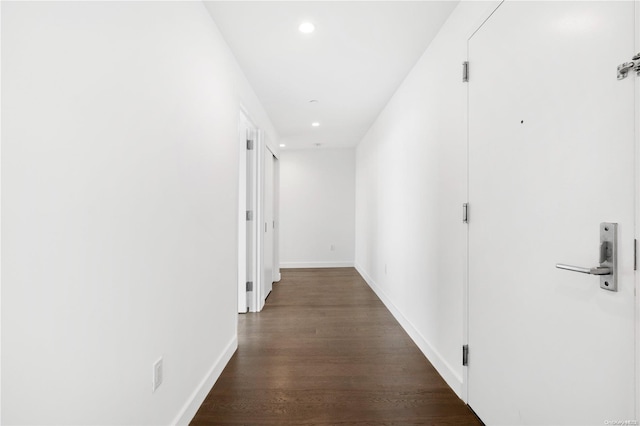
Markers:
246,129
491,9
0,226
261,143
637,204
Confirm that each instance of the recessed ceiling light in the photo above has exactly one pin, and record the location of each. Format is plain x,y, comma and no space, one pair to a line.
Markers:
306,27
315,124
282,145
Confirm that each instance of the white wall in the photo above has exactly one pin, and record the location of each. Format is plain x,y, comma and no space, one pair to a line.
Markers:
410,187
119,199
317,208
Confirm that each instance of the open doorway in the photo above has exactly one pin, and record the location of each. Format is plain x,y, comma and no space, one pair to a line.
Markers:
247,235
258,242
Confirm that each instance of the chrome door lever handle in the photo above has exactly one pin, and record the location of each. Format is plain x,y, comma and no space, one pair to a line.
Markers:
598,270
608,268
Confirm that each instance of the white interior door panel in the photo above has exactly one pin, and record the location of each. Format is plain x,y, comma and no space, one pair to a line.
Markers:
551,156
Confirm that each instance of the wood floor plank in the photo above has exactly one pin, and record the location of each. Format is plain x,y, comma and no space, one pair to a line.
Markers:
326,351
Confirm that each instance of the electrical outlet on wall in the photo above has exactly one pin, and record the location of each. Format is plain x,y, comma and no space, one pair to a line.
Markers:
157,374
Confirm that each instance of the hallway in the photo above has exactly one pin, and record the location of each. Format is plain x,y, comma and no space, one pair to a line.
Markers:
325,350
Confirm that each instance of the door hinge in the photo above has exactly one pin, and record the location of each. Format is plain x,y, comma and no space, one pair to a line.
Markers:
624,68
249,285
249,144
465,71
635,255
465,213
249,214
465,355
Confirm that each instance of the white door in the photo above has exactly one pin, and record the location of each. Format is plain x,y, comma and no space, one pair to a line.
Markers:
269,225
247,238
276,219
551,156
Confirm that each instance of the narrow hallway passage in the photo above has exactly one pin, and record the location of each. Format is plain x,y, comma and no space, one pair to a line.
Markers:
325,350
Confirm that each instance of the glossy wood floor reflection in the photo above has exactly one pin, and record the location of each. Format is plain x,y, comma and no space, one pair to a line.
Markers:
326,351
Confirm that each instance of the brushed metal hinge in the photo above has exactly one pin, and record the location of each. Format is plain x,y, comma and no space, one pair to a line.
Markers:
465,213
465,71
465,355
249,144
249,214
249,285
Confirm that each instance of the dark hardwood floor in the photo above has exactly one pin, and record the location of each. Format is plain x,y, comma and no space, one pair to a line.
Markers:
326,351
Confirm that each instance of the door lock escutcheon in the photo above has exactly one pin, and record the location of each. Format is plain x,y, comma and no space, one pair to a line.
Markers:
608,268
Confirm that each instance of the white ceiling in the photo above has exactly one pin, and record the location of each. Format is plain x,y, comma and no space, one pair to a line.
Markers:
352,63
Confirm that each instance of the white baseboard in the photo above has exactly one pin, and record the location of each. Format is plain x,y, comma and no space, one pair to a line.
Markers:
197,397
316,264
439,363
